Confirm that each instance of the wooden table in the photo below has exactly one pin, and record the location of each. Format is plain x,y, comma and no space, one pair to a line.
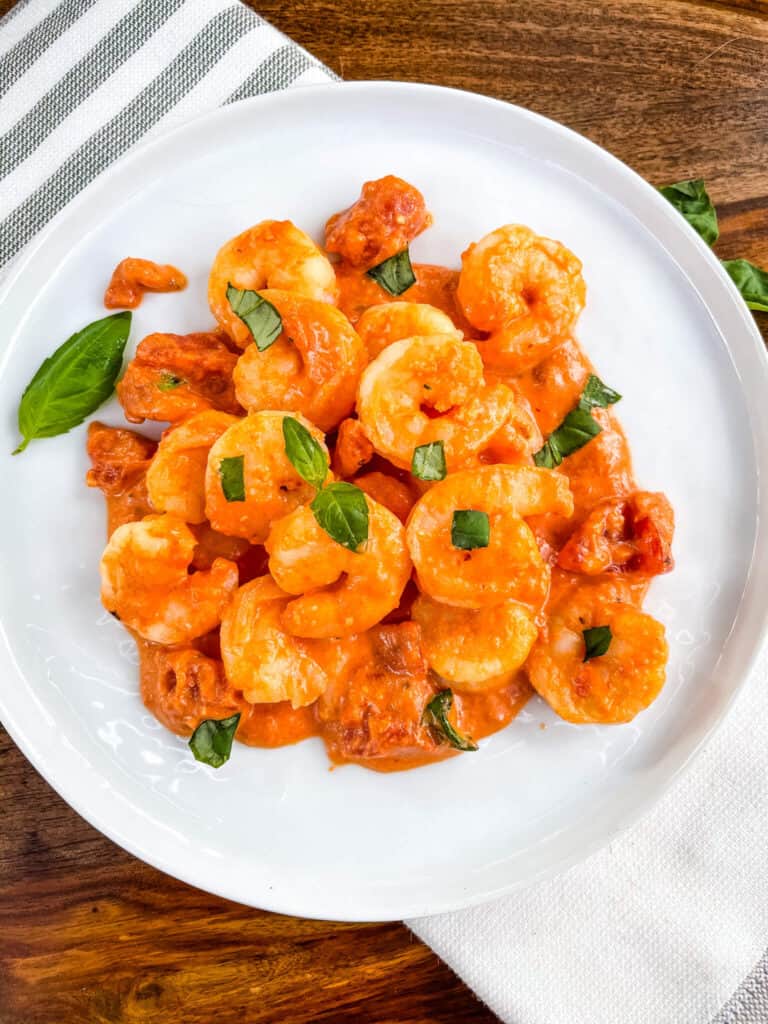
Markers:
90,935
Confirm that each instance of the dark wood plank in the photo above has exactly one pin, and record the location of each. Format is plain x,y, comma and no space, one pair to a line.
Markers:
88,934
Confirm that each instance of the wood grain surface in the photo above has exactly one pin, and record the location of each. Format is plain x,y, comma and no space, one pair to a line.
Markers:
88,935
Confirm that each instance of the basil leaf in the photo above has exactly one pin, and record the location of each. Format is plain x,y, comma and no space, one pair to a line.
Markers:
470,529
211,742
394,275
576,430
231,476
303,451
751,281
259,316
436,717
169,381
428,462
342,511
75,380
548,456
596,393
596,641
690,198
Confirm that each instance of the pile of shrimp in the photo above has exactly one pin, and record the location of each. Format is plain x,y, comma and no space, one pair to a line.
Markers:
247,604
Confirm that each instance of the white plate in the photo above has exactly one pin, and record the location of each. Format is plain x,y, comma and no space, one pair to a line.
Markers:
663,324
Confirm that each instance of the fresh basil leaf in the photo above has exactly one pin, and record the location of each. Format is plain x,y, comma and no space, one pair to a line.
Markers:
428,462
211,742
231,476
548,456
305,454
436,717
751,281
342,511
576,430
169,381
394,275
75,380
470,529
690,198
596,641
596,393
259,316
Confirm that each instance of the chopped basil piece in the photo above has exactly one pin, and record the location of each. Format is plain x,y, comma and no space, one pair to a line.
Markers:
436,717
74,381
576,430
596,393
394,275
690,198
751,281
169,381
428,461
259,316
342,511
470,529
211,742
596,641
304,453
231,476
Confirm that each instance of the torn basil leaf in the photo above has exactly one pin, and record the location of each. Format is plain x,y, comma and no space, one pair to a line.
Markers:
596,641
211,742
394,275
436,717
74,381
690,198
428,462
751,281
169,381
470,529
342,511
304,453
231,476
259,316
576,430
596,393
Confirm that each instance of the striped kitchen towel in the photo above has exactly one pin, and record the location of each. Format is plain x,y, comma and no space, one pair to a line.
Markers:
81,81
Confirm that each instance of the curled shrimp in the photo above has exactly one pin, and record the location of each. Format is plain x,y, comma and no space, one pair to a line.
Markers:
430,389
272,254
475,647
146,583
340,592
132,277
260,657
525,290
380,325
272,487
511,567
176,474
389,214
517,439
612,687
312,367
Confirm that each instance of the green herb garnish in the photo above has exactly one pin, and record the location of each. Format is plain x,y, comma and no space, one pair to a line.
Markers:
75,380
596,641
691,199
751,281
470,529
576,430
231,476
428,462
169,381
259,316
394,275
211,742
304,453
436,717
596,393
342,511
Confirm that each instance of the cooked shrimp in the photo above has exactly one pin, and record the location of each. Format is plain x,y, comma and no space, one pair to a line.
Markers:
271,485
313,367
119,462
511,566
527,291
613,687
380,325
632,534
176,475
341,592
518,439
175,375
353,449
145,581
259,656
132,277
430,389
272,254
389,214
389,492
474,647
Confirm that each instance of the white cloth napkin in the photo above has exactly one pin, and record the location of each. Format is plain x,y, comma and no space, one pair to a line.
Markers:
661,927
